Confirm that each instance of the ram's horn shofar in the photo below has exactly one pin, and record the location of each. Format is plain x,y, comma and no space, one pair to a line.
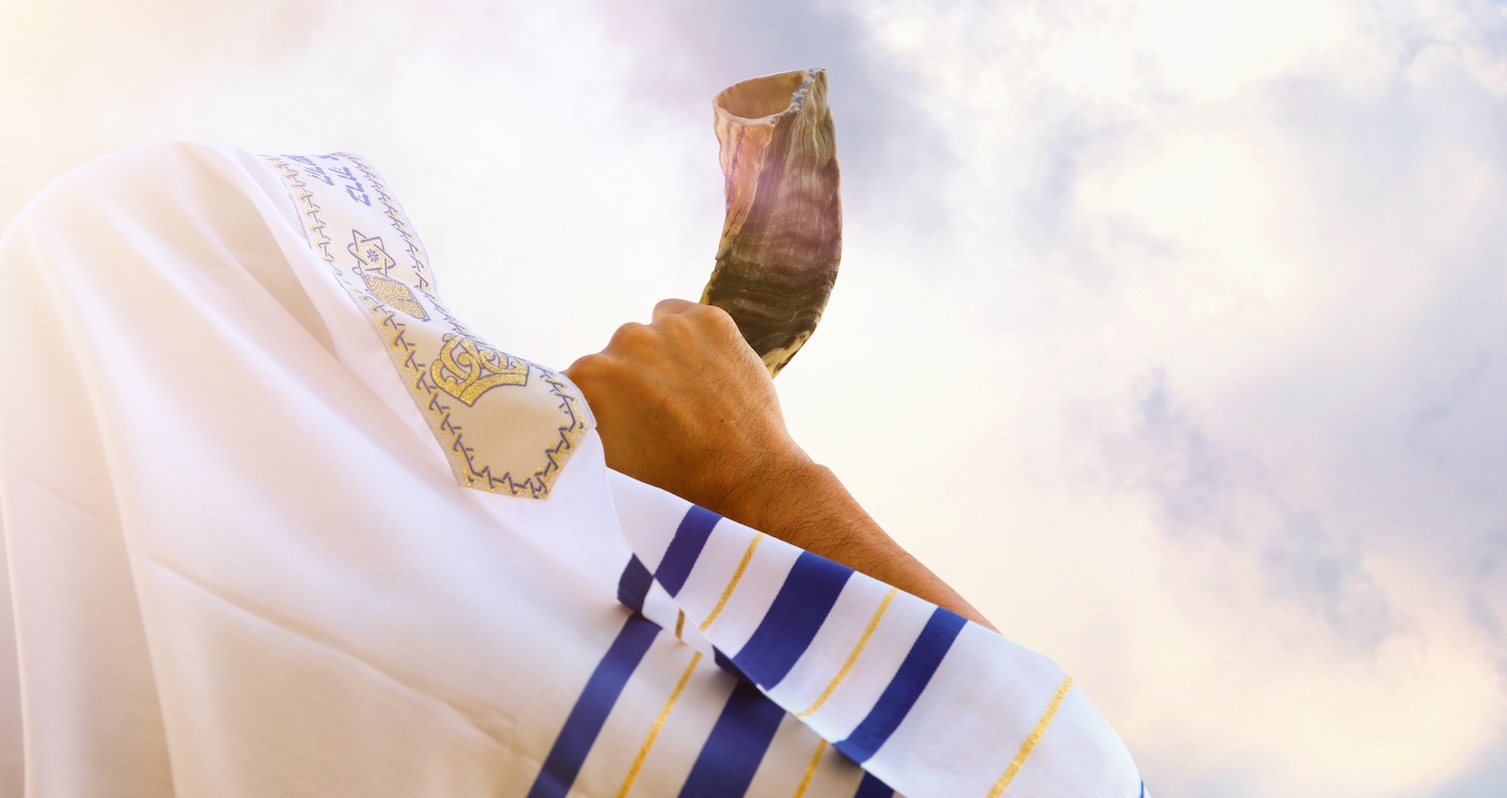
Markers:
782,237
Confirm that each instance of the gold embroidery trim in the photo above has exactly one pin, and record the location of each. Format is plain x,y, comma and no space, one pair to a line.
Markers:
868,632
400,224
1031,740
536,485
659,722
816,758
732,585
375,260
394,293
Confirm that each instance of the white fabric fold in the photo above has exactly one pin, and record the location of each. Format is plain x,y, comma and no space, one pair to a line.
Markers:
241,565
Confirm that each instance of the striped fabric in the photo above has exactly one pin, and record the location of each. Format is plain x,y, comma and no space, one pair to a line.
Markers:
922,701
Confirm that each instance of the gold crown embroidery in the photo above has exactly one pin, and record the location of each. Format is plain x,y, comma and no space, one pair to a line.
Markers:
477,368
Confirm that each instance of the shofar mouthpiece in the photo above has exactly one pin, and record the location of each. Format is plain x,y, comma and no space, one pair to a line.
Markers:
782,237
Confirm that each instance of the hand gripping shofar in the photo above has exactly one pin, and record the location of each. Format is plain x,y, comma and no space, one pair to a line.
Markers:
782,238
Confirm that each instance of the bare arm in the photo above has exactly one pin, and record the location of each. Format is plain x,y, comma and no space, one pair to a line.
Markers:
684,404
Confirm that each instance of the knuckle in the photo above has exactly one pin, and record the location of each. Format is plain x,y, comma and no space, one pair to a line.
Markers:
718,318
600,375
724,324
669,306
586,368
678,322
629,335
676,329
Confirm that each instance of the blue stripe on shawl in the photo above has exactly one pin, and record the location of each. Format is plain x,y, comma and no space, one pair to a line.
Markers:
727,762
585,720
633,585
728,665
903,690
798,611
685,548
872,787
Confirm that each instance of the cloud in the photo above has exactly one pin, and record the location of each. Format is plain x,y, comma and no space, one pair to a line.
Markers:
1206,491
1486,594
1202,489
1485,777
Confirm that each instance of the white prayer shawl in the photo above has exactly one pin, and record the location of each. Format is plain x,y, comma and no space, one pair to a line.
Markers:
243,562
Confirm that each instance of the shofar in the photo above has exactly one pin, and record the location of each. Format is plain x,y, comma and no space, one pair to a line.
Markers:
782,237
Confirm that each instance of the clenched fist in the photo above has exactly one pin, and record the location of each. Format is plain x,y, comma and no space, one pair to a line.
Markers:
683,403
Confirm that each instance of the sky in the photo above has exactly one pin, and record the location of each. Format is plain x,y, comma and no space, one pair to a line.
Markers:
1173,334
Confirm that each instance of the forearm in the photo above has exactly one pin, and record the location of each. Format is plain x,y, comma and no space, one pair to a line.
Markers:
805,504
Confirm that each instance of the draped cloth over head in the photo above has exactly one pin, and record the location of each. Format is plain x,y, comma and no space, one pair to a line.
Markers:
258,548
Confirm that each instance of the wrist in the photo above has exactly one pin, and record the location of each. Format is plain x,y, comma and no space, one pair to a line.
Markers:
753,495
801,502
